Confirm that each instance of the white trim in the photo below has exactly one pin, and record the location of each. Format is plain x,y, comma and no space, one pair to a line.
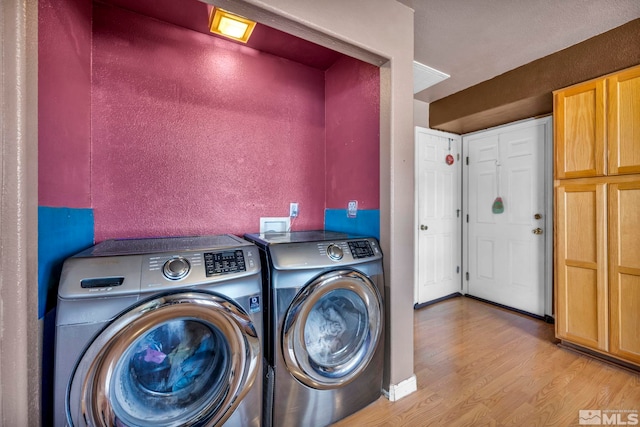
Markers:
403,389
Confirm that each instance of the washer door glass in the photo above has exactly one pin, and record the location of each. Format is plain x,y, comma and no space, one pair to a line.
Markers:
332,329
181,359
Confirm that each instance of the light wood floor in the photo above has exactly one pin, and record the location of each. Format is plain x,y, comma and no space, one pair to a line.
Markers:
480,365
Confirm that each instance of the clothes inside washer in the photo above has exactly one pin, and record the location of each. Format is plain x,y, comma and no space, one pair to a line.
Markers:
170,370
335,328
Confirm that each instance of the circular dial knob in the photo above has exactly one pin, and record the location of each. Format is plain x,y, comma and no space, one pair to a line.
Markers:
176,268
334,252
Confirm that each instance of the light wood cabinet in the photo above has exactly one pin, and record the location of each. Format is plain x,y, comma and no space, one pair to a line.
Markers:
597,127
581,286
597,215
580,130
624,269
624,122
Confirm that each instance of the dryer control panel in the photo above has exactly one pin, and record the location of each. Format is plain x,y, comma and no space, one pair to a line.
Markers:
323,254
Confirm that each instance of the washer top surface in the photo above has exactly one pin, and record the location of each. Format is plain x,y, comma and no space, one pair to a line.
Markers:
117,247
144,266
265,239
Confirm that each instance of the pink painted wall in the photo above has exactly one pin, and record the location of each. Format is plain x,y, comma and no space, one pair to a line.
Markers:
353,134
64,100
192,134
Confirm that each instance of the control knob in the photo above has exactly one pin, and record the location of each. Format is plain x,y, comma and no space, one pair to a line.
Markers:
334,252
176,268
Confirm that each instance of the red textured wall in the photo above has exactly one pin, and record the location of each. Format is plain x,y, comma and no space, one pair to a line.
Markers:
353,134
64,100
192,134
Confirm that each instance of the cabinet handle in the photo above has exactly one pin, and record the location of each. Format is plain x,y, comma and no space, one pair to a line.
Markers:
424,227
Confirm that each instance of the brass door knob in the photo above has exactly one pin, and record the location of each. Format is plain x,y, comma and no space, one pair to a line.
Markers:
537,231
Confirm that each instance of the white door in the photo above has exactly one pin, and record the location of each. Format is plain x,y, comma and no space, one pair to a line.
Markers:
438,215
506,241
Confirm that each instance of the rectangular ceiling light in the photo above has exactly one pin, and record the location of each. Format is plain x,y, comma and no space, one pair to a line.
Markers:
231,26
425,76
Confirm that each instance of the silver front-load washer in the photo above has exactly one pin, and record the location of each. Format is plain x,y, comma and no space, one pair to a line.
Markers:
324,325
160,332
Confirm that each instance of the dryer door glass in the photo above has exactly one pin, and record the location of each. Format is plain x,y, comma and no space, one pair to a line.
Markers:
332,329
336,328
182,359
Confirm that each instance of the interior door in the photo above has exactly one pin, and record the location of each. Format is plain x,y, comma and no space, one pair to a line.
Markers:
506,237
438,228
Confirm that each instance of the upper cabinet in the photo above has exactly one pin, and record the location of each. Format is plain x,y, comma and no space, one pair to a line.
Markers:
580,132
597,127
624,122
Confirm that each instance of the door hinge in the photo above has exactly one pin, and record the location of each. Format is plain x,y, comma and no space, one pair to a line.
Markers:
457,213
458,269
458,157
466,276
467,218
467,160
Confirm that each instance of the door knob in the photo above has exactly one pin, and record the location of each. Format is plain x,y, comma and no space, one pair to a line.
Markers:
537,231
537,216
424,227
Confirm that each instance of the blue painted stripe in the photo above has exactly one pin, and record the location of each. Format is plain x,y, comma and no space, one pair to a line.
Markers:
366,222
62,232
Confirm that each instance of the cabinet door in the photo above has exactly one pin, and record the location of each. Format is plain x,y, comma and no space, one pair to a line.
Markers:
579,121
624,122
581,288
624,269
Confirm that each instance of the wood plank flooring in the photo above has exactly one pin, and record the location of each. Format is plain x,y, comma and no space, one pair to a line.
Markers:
480,365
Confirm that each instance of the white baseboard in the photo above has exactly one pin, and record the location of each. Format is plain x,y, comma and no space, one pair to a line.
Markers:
404,388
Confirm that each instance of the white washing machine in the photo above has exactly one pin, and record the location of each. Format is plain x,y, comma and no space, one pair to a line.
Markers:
324,325
160,332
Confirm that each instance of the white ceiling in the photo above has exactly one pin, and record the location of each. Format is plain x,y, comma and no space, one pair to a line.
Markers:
476,40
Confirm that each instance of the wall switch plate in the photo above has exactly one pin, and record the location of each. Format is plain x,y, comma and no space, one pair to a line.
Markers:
352,209
293,210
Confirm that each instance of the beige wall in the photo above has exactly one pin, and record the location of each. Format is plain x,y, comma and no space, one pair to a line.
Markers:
420,113
19,328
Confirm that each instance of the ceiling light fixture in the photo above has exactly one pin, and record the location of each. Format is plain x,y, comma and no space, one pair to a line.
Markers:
231,26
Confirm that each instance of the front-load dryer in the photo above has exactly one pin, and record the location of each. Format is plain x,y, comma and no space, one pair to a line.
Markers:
324,325
160,332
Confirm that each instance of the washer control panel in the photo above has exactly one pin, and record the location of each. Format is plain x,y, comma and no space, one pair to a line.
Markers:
176,268
224,262
361,249
335,252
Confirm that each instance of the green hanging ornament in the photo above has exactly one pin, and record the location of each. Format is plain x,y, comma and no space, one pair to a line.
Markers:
498,204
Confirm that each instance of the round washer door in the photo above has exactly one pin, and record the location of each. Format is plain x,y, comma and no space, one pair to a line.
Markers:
181,359
332,329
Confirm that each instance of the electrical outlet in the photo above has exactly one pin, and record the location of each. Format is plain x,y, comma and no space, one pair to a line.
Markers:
352,209
293,210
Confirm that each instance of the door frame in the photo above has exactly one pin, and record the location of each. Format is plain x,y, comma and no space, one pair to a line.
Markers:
548,209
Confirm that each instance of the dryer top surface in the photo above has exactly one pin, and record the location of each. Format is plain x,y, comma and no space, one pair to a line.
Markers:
265,239
117,247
